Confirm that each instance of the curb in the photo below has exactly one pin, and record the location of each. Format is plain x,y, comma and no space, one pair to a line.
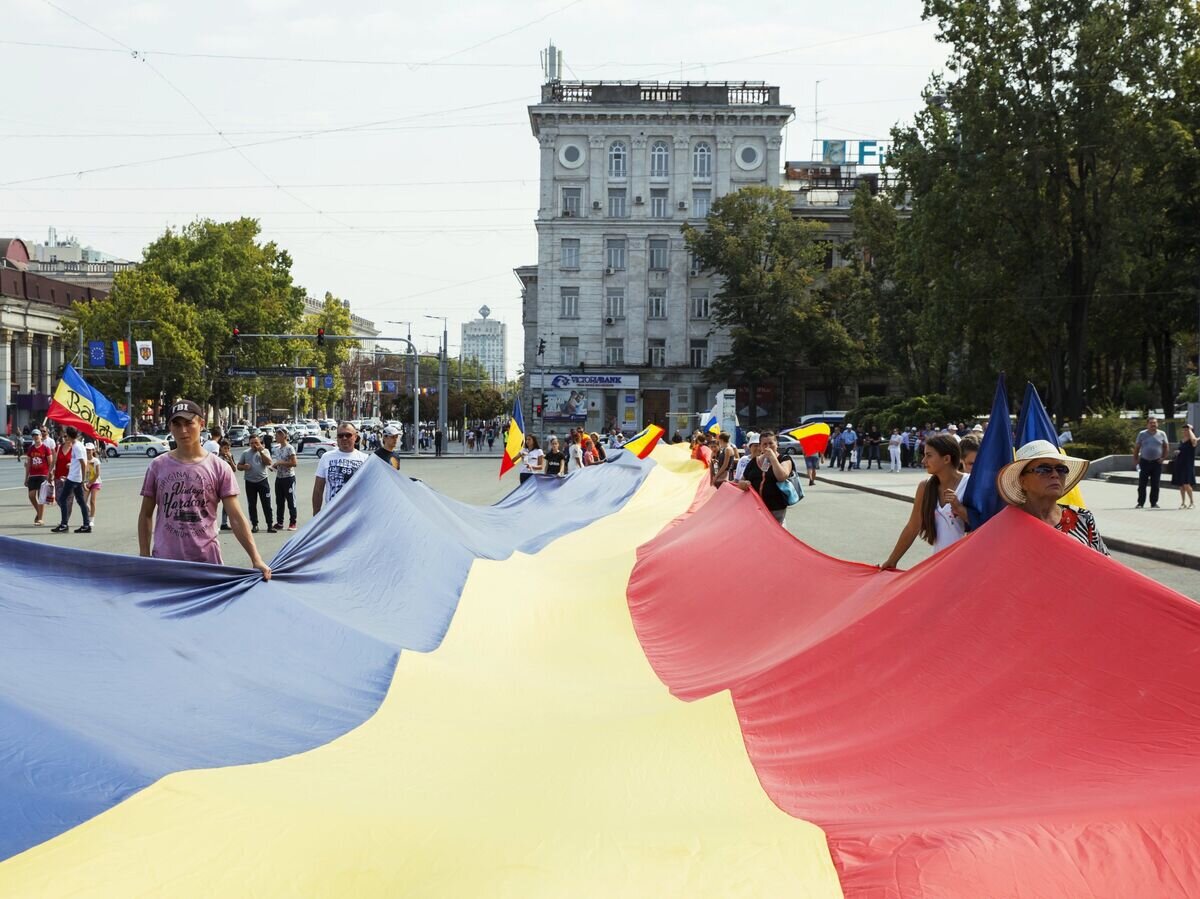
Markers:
1145,551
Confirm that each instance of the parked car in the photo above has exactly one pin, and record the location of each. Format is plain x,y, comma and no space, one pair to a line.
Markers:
138,445
327,424
239,435
167,436
789,445
318,446
7,447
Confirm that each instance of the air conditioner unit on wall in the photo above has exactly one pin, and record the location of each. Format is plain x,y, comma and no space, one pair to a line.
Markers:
608,321
682,204
637,201
595,204
610,271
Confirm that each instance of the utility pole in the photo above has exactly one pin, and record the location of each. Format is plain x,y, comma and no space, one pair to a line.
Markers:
443,378
129,366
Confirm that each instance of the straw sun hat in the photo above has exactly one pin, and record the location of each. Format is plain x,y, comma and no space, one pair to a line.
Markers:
1008,481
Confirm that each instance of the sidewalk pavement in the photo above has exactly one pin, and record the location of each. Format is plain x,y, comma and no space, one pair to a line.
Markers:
1167,534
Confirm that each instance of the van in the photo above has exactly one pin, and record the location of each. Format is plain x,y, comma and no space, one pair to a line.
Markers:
830,417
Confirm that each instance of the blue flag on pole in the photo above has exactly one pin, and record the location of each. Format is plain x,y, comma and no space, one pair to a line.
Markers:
96,354
1033,423
981,497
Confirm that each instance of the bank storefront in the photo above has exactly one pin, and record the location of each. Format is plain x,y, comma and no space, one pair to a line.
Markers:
596,402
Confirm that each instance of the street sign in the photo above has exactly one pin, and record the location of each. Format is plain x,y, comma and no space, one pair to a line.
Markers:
271,372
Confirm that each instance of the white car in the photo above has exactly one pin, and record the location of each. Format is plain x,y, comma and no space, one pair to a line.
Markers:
139,445
318,446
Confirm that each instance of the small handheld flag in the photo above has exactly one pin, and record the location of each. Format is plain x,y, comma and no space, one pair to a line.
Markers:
981,497
77,403
813,438
644,441
516,439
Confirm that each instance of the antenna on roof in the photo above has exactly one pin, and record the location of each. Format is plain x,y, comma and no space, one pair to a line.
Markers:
552,63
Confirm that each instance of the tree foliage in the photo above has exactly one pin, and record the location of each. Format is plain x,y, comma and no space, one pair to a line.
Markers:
1055,222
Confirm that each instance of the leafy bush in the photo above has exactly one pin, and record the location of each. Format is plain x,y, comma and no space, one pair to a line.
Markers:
1112,434
887,412
1087,451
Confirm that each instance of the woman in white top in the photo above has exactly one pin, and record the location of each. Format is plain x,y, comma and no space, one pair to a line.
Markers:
894,449
533,460
938,514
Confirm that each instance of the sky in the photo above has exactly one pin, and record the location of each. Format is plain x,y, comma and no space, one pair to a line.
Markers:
387,148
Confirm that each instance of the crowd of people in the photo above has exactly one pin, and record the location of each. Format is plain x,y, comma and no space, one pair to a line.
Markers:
559,459
849,449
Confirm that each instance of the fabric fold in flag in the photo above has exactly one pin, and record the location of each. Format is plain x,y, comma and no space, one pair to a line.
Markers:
514,443
78,403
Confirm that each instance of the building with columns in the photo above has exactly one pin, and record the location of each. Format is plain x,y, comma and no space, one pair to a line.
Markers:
616,316
32,349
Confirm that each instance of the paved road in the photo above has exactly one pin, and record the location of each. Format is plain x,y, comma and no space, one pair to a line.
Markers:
841,522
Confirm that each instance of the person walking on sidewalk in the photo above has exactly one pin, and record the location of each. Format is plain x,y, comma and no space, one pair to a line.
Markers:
1149,450
72,485
38,462
255,462
283,457
938,514
1183,471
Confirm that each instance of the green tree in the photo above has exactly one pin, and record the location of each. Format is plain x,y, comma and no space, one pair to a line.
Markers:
230,279
767,261
1023,170
140,295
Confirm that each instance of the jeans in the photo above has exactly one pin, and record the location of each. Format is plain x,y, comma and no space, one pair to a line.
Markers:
1149,470
285,493
259,491
871,451
72,490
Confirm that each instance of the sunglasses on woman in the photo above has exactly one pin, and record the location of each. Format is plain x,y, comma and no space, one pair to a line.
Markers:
1044,470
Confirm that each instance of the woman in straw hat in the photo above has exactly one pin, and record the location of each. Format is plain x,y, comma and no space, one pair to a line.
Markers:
1036,481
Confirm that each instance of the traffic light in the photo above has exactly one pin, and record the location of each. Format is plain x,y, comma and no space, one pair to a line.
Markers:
545,401
538,411
320,337
236,334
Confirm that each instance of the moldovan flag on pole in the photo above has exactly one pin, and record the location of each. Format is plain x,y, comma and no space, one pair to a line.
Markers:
813,438
515,442
641,443
77,403
120,353
1034,424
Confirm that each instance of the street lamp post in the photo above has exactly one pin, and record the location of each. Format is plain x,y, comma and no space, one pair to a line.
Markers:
443,376
129,362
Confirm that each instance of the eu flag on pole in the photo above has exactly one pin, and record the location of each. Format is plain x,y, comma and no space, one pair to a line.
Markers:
1034,424
96,354
981,497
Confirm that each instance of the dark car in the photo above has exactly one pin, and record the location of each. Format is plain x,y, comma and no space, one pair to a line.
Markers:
7,447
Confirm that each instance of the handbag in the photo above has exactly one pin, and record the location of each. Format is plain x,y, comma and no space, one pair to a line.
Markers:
791,487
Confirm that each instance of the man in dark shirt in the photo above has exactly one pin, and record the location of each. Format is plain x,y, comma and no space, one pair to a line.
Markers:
871,443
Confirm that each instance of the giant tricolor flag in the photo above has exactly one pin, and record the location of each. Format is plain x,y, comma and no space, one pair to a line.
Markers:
78,403
813,438
644,441
515,442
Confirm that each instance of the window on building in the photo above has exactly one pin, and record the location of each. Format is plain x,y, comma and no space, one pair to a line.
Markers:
702,155
656,352
572,197
659,253
569,350
618,159
656,304
701,203
614,302
658,203
570,302
570,254
616,203
699,353
660,159
614,251
700,304
614,350
694,268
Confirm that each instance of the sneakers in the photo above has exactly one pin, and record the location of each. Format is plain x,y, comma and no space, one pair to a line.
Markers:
292,526
253,529
59,529
84,529
279,525
226,527
272,530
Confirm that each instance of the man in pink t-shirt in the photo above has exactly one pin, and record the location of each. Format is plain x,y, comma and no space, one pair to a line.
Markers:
184,488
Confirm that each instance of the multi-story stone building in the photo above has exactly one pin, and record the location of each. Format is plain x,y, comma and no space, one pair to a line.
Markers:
484,340
616,316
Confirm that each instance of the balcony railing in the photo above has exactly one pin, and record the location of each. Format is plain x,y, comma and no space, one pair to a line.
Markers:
717,93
